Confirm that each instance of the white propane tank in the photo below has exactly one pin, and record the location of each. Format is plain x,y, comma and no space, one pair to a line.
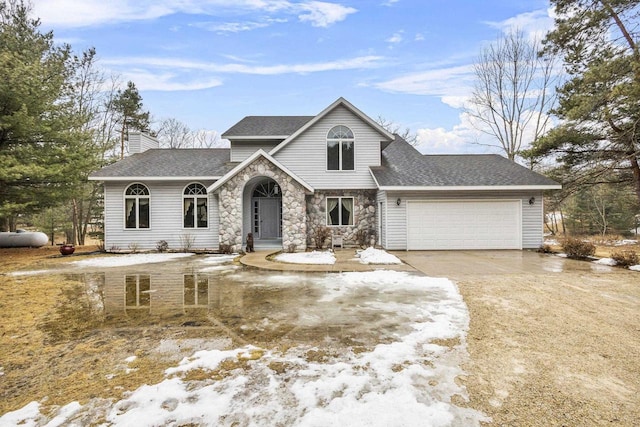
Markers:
21,238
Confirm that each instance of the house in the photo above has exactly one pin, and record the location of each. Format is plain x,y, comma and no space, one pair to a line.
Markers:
288,178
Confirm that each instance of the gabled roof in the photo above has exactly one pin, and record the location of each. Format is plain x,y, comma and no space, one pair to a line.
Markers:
266,127
251,159
404,168
168,164
339,102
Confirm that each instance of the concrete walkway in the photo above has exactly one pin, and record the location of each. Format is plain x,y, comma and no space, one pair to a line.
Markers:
345,261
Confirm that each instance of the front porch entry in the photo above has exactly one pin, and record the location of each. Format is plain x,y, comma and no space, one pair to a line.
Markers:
266,213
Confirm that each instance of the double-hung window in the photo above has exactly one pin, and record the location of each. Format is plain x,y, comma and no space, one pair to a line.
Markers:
136,206
194,205
339,210
340,149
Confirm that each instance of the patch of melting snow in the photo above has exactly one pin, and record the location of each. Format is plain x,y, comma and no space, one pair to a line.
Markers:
404,382
314,257
128,259
635,267
218,259
377,256
625,242
29,272
606,261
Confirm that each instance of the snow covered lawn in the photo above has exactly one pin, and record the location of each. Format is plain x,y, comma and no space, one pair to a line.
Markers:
314,257
129,259
407,379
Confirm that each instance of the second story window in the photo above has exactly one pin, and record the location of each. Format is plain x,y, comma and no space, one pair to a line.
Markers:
340,149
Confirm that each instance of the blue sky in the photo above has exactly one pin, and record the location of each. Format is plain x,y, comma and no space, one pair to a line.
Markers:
208,63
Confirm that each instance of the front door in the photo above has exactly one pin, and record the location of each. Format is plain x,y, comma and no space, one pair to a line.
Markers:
269,218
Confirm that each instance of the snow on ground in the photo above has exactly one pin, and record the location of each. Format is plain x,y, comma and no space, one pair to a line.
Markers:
606,261
377,256
218,259
407,381
635,267
625,242
314,257
28,272
128,259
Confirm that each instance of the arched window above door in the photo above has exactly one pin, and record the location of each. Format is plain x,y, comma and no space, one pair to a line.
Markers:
267,189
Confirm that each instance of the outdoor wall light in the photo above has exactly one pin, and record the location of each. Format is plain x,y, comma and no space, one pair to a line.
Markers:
532,200
398,201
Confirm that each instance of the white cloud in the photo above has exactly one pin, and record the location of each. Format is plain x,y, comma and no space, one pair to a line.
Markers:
390,2
176,63
452,84
146,80
464,137
97,12
173,74
396,37
418,37
534,24
322,14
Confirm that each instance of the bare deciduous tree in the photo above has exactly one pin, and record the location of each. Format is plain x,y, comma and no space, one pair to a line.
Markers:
391,126
513,92
172,133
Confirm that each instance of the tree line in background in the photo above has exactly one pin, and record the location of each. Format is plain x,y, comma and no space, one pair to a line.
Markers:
62,118
593,149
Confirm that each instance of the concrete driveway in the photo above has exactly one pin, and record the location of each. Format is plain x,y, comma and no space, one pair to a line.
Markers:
460,265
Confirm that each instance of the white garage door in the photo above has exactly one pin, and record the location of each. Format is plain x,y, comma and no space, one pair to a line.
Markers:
485,224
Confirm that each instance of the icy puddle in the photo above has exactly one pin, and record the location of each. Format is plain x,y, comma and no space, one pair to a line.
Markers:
378,348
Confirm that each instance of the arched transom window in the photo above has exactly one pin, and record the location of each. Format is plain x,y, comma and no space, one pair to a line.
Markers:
340,149
194,204
267,189
136,206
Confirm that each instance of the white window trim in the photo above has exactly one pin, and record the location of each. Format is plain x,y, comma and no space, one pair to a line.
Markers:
196,197
137,199
340,198
326,150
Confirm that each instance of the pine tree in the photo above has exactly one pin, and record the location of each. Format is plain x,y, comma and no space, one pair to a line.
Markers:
36,130
131,115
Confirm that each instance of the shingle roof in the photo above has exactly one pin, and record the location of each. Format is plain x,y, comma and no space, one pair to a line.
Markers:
265,126
403,165
156,163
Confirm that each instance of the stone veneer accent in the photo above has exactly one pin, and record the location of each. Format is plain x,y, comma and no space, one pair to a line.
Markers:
294,228
364,202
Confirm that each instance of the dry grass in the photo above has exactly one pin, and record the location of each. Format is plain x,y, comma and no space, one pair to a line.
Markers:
605,246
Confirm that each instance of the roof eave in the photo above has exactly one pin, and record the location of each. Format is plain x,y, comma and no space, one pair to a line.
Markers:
153,178
323,113
255,137
249,160
469,187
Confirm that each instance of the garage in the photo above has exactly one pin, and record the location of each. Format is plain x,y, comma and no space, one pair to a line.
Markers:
473,224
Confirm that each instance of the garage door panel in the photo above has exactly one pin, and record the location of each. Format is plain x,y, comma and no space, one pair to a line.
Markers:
464,225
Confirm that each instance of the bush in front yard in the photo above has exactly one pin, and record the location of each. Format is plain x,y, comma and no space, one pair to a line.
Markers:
625,257
578,249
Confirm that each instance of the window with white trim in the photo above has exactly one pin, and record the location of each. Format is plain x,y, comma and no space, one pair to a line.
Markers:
194,206
339,211
340,149
136,207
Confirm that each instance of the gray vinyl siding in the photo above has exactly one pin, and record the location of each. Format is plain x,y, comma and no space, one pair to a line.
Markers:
165,218
306,156
395,237
240,150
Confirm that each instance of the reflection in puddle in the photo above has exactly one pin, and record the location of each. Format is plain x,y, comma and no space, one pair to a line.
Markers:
248,306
